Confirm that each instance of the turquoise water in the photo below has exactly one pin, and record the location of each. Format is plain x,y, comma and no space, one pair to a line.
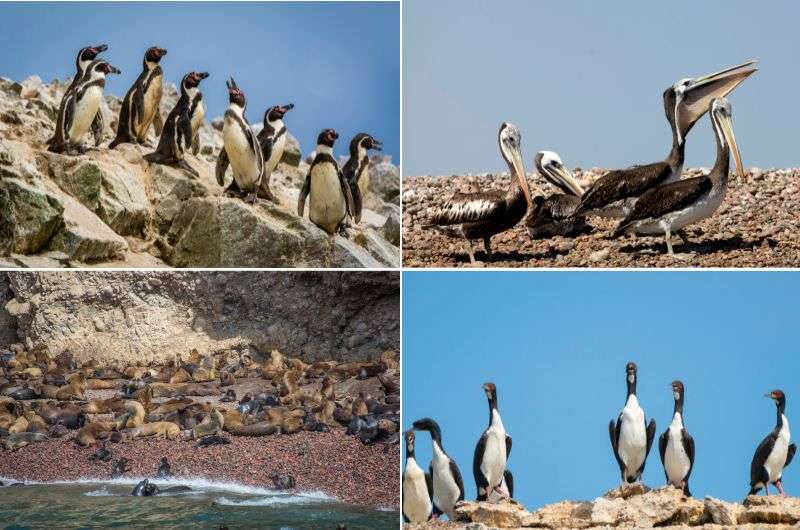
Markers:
108,504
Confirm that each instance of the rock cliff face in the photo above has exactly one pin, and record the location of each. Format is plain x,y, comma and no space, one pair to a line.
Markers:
151,316
634,507
110,207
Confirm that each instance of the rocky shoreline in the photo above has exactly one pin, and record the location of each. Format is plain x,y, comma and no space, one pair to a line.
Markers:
634,506
110,208
334,463
757,225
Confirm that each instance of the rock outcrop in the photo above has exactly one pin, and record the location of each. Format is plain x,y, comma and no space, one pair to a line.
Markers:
634,506
110,207
147,317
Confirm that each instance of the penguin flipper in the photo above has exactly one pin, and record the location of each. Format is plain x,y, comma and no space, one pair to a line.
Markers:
222,166
348,197
789,454
301,200
355,191
185,127
481,483
97,128
138,104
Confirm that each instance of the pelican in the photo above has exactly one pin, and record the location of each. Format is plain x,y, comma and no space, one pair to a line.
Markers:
685,102
555,215
483,214
672,206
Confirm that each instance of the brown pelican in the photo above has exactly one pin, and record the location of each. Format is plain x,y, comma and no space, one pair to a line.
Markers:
685,102
483,214
555,215
670,207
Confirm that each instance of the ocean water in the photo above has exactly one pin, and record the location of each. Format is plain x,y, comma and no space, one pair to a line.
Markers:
109,504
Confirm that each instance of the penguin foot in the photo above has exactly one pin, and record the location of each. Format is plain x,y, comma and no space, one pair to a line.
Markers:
267,195
184,165
251,198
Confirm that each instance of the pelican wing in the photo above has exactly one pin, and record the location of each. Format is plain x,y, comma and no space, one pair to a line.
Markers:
665,199
623,183
470,208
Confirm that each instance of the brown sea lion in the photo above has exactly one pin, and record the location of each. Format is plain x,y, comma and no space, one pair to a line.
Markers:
211,424
159,429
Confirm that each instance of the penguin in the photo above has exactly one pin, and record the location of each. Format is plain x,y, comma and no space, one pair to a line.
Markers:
241,148
447,485
774,452
492,451
331,200
80,106
140,108
272,138
630,439
417,485
676,446
179,128
356,169
82,60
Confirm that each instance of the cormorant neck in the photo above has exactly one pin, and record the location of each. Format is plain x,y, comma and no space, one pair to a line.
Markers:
409,450
678,406
631,387
781,407
492,408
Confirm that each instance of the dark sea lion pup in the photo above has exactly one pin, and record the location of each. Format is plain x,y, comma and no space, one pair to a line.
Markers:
163,469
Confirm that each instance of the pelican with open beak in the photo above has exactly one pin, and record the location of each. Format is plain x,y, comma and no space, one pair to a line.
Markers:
555,215
671,207
483,214
615,193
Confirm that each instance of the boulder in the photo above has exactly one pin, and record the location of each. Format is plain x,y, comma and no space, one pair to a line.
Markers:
29,216
384,178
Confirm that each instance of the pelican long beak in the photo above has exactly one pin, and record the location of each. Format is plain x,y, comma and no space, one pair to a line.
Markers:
519,169
692,100
726,124
563,179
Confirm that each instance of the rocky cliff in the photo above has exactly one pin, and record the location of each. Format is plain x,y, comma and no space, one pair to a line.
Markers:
112,208
634,506
152,316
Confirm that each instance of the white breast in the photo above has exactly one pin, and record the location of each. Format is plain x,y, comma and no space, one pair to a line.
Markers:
152,100
676,461
494,455
777,457
277,153
632,436
416,500
327,206
243,159
445,489
198,116
84,113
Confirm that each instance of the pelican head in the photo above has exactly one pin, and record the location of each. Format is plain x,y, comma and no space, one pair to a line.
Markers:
550,167
686,101
510,141
720,111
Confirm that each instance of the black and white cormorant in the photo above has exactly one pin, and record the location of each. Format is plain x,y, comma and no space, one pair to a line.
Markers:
492,451
448,486
774,452
555,215
417,497
676,445
631,439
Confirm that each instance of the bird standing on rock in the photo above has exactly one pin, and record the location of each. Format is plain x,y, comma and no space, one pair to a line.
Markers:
272,138
631,439
417,485
448,486
676,446
774,452
492,452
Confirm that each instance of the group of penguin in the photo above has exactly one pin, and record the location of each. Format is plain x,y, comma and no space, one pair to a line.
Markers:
334,193
430,494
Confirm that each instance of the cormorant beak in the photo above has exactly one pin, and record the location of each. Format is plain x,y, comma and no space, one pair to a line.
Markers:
519,170
726,125
693,99
561,178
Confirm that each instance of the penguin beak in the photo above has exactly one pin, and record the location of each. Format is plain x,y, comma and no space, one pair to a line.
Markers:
287,108
377,144
100,48
162,52
113,70
202,75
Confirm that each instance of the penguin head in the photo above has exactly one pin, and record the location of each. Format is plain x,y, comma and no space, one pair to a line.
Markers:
235,94
363,141
191,81
630,370
89,53
327,137
153,55
677,390
276,112
777,396
100,68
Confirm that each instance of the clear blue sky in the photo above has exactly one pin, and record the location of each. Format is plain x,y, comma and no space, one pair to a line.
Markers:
585,78
339,63
556,345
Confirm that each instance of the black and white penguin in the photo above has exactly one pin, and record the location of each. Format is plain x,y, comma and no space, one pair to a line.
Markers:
140,107
80,107
448,486
774,453
492,451
82,61
272,138
676,446
331,200
417,497
179,128
630,438
241,148
356,169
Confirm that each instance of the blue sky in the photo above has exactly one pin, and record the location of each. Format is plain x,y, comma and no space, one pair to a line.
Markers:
556,345
339,63
585,78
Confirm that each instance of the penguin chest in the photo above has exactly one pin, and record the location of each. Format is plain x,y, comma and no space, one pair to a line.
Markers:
632,437
243,159
152,101
198,116
445,489
327,206
676,461
277,153
777,457
416,500
84,112
363,181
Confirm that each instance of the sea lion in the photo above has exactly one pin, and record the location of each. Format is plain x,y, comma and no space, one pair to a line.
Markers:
135,411
16,440
121,467
212,424
75,390
282,481
163,470
230,396
159,429
144,489
101,453
89,433
213,440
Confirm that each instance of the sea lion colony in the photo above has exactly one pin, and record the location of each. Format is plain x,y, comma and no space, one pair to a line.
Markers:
193,399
